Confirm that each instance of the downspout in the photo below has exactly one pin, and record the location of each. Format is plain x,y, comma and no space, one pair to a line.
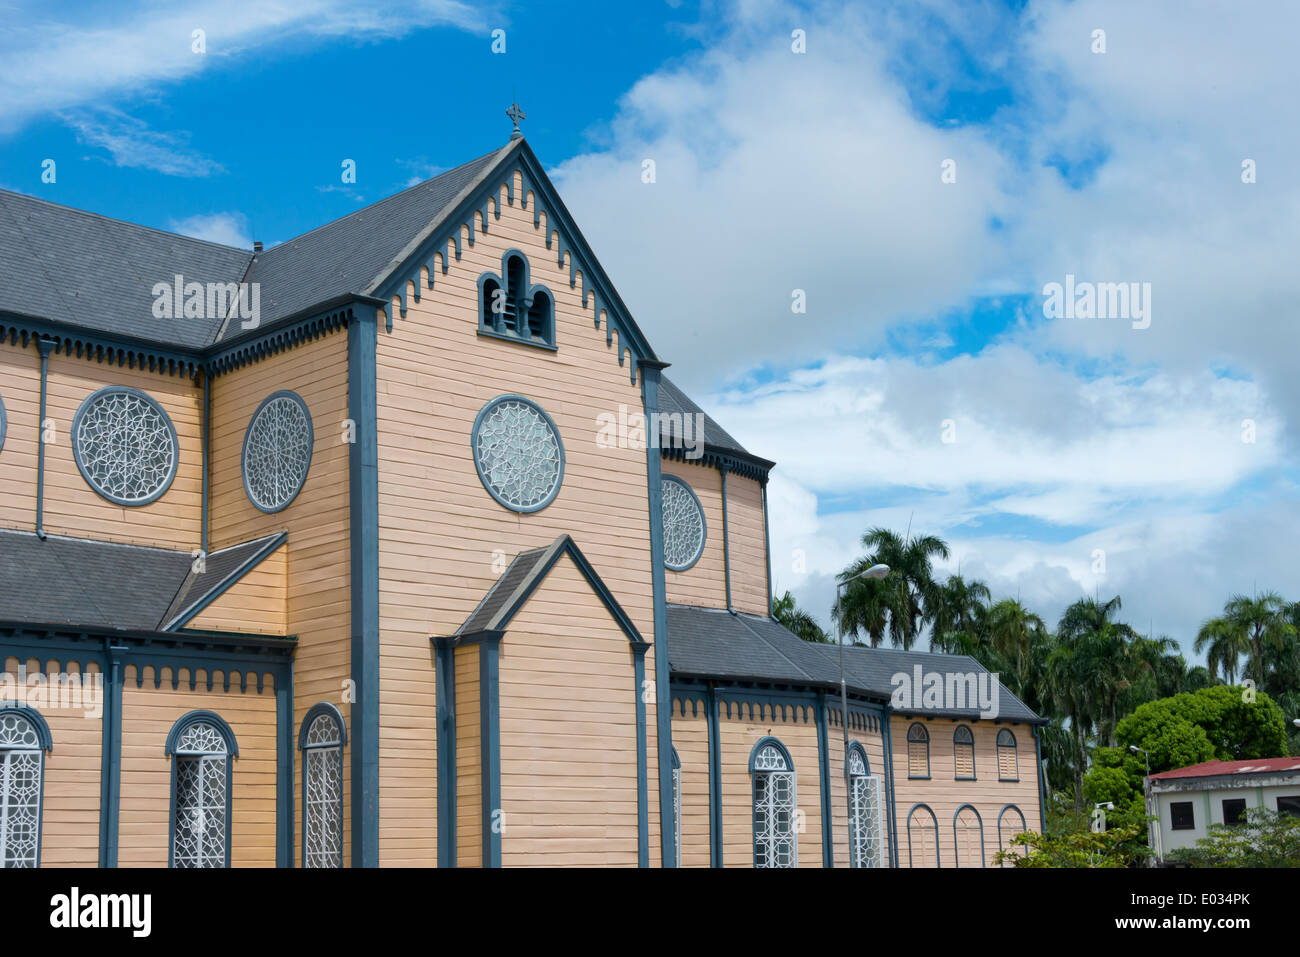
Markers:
207,460
726,540
892,803
767,549
43,346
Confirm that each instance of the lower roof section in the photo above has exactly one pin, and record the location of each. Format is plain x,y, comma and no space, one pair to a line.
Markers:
78,581
709,643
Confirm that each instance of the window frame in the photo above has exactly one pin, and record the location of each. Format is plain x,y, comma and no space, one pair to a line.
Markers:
478,465
44,743
1024,826
1175,808
956,839
1293,805
911,776
761,745
934,822
1240,815
183,724
665,478
318,710
956,773
311,446
74,439
548,340
857,750
1013,747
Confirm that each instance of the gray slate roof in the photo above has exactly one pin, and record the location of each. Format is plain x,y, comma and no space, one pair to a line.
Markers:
70,266
350,255
674,401
76,581
706,642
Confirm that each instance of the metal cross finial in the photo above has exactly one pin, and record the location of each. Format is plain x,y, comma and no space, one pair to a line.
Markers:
516,114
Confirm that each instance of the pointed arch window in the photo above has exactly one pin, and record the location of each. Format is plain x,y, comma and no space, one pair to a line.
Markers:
968,837
775,804
963,753
511,307
24,739
1008,760
1010,823
918,751
321,740
201,745
922,838
866,828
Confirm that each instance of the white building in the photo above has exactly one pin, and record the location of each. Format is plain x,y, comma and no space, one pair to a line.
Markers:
1187,801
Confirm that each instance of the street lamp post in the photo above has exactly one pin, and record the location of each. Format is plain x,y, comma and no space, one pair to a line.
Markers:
875,571
1152,829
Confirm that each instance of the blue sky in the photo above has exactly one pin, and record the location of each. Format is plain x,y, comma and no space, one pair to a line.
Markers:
818,171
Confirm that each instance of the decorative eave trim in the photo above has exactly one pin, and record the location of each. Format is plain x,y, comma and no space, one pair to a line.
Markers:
98,346
738,463
685,684
188,613
284,335
479,206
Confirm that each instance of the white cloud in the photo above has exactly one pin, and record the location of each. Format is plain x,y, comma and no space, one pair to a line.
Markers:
132,144
229,229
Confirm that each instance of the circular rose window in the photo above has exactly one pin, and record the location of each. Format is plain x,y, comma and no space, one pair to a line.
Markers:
683,520
277,451
518,453
125,445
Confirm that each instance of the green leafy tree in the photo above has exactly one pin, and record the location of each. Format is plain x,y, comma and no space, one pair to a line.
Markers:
1114,847
901,603
787,611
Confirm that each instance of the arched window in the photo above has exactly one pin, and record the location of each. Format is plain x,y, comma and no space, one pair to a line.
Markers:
865,830
918,751
24,739
201,745
968,837
512,308
677,804
963,753
775,838
1008,760
1010,823
321,741
922,838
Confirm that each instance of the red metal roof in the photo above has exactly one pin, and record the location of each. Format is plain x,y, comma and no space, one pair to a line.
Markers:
1207,769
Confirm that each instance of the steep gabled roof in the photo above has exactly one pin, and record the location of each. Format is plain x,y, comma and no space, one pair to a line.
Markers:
78,581
511,591
354,253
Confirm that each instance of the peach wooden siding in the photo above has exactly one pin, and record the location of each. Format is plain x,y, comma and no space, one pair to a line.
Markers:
443,539
148,714
872,742
568,730
20,389
72,507
704,583
316,555
748,545
738,737
691,739
469,755
256,603
70,802
945,795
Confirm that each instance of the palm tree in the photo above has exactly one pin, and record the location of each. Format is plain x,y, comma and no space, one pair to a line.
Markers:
1013,630
1103,648
1224,644
787,611
904,601
1067,692
1257,627
957,619
1160,670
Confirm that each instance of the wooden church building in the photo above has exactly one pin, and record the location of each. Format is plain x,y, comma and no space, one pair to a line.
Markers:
394,544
